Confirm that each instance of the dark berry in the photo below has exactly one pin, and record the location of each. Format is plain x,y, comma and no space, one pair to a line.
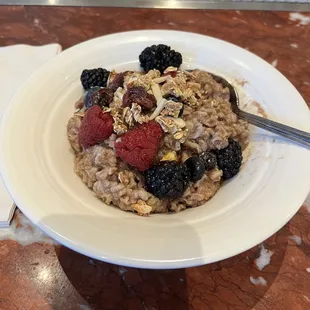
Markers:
101,97
168,179
117,82
209,160
159,57
87,98
140,96
229,159
196,167
94,77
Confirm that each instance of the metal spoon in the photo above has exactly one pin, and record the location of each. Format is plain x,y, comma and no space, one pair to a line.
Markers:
291,133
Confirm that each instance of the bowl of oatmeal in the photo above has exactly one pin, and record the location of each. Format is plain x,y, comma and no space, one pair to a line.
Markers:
124,148
157,140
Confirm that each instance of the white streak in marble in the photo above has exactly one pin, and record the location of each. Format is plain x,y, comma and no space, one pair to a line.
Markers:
37,24
122,270
296,239
302,19
278,26
294,45
308,270
240,20
24,232
264,258
258,281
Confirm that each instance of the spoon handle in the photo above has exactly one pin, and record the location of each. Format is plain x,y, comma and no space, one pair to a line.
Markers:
291,133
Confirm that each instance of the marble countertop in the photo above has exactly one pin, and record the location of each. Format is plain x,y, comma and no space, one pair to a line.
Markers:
37,273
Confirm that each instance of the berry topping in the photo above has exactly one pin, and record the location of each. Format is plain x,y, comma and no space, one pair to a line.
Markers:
139,95
168,179
94,77
196,167
138,147
87,97
229,159
98,96
103,97
96,127
117,82
209,160
159,57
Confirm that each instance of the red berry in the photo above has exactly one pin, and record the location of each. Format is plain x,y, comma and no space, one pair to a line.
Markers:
96,127
138,147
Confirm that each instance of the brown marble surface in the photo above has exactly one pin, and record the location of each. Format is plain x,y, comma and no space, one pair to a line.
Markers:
42,275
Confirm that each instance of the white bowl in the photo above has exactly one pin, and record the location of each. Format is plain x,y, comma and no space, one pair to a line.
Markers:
37,164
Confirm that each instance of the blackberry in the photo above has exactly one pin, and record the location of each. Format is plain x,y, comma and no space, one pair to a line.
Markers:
98,96
168,179
196,167
103,97
159,57
94,77
229,159
209,160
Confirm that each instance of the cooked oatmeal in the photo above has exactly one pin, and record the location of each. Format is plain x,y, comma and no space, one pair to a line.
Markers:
207,124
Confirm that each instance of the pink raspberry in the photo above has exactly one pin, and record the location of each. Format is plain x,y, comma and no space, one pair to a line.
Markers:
138,147
96,127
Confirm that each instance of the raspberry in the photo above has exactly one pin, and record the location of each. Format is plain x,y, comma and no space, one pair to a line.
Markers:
96,127
138,147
